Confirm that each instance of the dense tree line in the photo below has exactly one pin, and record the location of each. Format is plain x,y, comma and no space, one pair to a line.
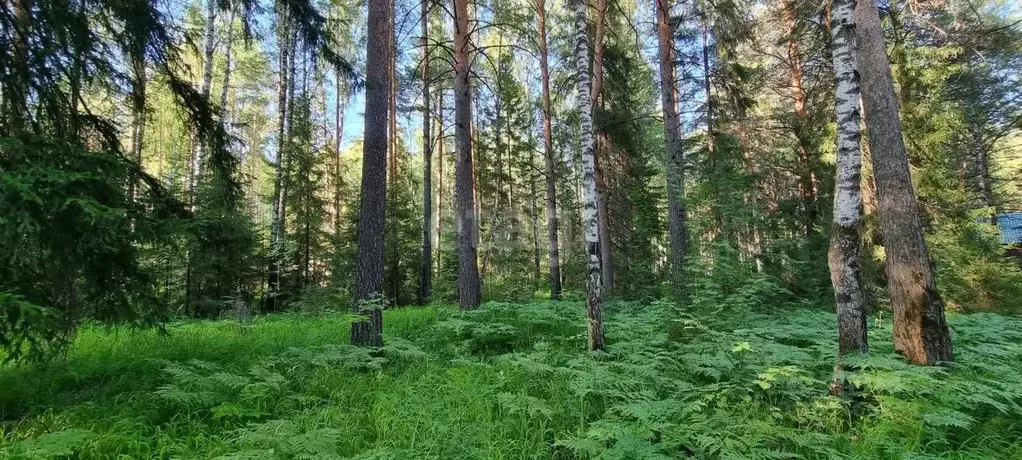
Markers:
217,158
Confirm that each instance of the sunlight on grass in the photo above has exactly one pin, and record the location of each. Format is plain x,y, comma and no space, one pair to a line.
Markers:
512,381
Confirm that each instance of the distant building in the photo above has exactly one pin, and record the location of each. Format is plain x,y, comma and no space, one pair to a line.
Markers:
1010,225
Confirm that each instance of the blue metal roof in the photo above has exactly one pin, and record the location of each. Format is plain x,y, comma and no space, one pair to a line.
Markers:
1010,225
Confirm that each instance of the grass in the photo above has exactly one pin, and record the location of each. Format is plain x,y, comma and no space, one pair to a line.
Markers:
511,381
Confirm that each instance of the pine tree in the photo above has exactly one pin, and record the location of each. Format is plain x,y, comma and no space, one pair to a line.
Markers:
674,154
426,261
920,329
464,175
369,258
548,156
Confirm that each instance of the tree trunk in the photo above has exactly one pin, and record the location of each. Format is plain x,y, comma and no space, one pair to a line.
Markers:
138,116
75,77
339,107
803,138
426,265
674,154
984,182
208,46
602,212
395,256
534,214
920,329
594,283
548,157
228,55
277,224
368,330
16,95
711,141
440,177
845,238
464,176
754,244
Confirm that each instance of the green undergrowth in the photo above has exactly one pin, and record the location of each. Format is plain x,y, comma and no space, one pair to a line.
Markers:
511,381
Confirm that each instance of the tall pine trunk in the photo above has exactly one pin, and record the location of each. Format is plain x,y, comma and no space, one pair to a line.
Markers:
426,263
368,330
602,212
594,282
845,238
548,157
803,137
920,329
464,176
393,166
673,155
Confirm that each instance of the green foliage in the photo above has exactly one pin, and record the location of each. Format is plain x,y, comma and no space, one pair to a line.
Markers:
512,381
27,330
70,238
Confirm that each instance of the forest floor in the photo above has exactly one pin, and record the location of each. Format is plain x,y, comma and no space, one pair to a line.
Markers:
512,381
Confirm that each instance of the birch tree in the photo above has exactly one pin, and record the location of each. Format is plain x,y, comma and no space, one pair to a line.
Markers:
277,219
594,281
845,229
208,46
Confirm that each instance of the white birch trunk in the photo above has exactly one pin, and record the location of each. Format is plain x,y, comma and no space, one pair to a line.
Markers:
594,283
845,230
208,46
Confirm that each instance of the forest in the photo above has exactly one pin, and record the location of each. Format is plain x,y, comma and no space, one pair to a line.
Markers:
510,229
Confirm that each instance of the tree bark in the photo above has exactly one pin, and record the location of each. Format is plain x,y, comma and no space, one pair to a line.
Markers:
208,46
16,95
464,175
338,182
711,140
272,300
674,154
803,138
984,181
440,178
138,117
372,213
920,329
426,265
594,283
845,238
228,56
548,157
395,256
602,212
534,215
